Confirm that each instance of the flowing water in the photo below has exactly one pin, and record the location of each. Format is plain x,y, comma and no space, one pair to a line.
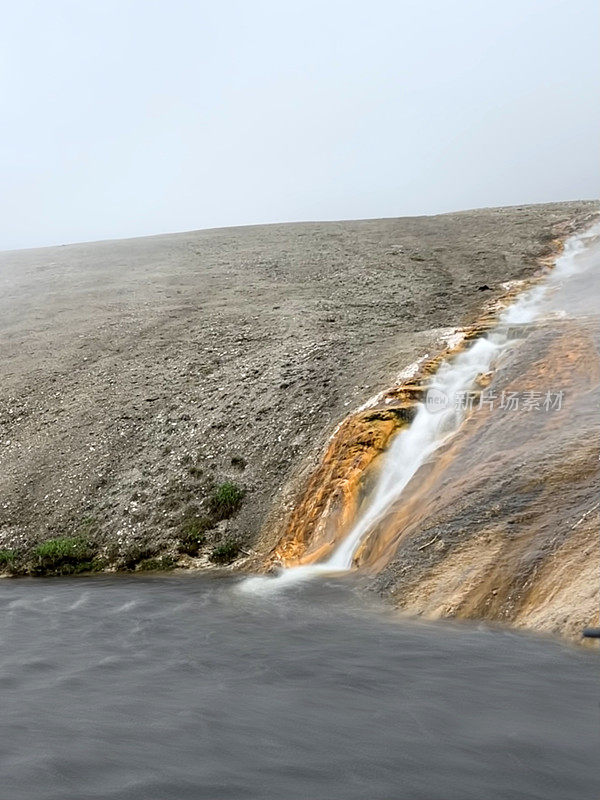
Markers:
168,688
172,688
572,287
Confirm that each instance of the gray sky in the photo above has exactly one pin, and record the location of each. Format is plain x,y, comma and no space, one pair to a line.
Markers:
132,117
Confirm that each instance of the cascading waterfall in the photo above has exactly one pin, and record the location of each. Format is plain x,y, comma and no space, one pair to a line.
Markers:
436,419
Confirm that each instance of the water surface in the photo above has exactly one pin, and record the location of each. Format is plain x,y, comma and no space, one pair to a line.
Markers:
183,687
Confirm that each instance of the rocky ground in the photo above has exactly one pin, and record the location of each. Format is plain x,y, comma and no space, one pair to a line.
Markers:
161,396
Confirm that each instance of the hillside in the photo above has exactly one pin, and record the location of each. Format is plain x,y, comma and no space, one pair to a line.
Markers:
140,376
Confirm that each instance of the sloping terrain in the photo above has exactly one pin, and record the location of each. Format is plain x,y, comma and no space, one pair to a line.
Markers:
503,525
166,396
499,521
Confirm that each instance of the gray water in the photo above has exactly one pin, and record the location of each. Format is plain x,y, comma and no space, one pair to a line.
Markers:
183,687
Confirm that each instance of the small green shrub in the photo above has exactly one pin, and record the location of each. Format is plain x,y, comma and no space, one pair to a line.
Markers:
225,500
64,556
7,558
193,534
58,549
226,552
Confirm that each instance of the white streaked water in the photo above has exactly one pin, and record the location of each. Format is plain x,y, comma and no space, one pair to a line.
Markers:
440,416
175,688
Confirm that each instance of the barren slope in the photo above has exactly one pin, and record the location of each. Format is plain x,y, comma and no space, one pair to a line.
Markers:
140,374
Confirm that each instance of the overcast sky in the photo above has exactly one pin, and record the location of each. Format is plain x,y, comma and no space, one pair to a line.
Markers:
132,117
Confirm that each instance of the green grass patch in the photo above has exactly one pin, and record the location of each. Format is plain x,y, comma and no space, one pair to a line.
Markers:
62,548
226,552
193,534
225,500
64,556
156,564
7,558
